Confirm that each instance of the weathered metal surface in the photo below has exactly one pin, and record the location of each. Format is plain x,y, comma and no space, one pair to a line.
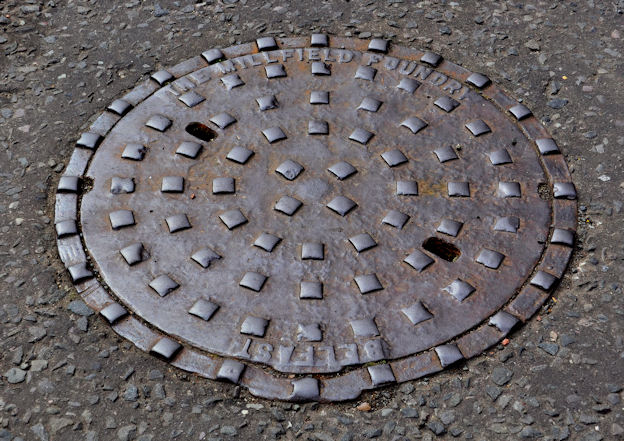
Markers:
304,205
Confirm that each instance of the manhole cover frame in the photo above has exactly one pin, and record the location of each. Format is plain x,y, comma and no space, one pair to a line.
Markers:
349,384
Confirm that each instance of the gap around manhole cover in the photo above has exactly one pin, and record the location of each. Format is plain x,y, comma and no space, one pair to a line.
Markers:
311,222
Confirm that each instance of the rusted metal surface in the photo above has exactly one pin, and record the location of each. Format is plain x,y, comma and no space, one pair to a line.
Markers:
288,207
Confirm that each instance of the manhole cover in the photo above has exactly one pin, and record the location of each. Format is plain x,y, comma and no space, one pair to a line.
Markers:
311,218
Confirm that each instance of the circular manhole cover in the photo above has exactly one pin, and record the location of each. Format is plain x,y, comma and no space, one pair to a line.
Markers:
312,220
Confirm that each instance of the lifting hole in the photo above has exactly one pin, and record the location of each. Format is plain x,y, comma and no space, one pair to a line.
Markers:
201,131
441,248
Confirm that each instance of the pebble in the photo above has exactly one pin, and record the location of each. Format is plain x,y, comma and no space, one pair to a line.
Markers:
80,307
40,432
363,407
15,375
557,103
549,347
532,45
58,424
127,433
436,427
501,376
228,430
38,365
131,393
159,11
493,392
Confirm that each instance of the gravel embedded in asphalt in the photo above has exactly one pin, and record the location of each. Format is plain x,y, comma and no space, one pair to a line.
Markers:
65,372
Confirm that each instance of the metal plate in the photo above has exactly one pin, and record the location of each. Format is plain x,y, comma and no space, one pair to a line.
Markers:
305,210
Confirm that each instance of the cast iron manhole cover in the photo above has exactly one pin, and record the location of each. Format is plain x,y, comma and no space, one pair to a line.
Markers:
314,217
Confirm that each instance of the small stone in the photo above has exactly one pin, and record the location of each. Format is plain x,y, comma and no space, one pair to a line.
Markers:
373,433
409,412
549,348
83,324
586,418
555,87
493,392
436,427
557,103
532,45
447,417
455,399
501,376
79,307
159,11
530,432
592,436
386,412
38,365
601,408
127,433
159,391
363,407
131,393
155,374
16,355
445,30
566,340
57,424
614,388
40,432
617,430
407,388
228,430
15,375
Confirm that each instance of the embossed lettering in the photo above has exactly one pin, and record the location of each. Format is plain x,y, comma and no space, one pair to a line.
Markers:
244,352
372,59
452,86
327,55
240,62
350,355
267,58
308,358
253,60
226,66
299,54
201,76
284,353
422,72
345,56
263,353
286,54
462,94
391,63
313,54
406,67
331,354
438,79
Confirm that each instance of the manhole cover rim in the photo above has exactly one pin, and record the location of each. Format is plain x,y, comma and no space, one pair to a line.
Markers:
265,382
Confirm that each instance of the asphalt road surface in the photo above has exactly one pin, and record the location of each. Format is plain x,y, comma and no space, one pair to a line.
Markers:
65,375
